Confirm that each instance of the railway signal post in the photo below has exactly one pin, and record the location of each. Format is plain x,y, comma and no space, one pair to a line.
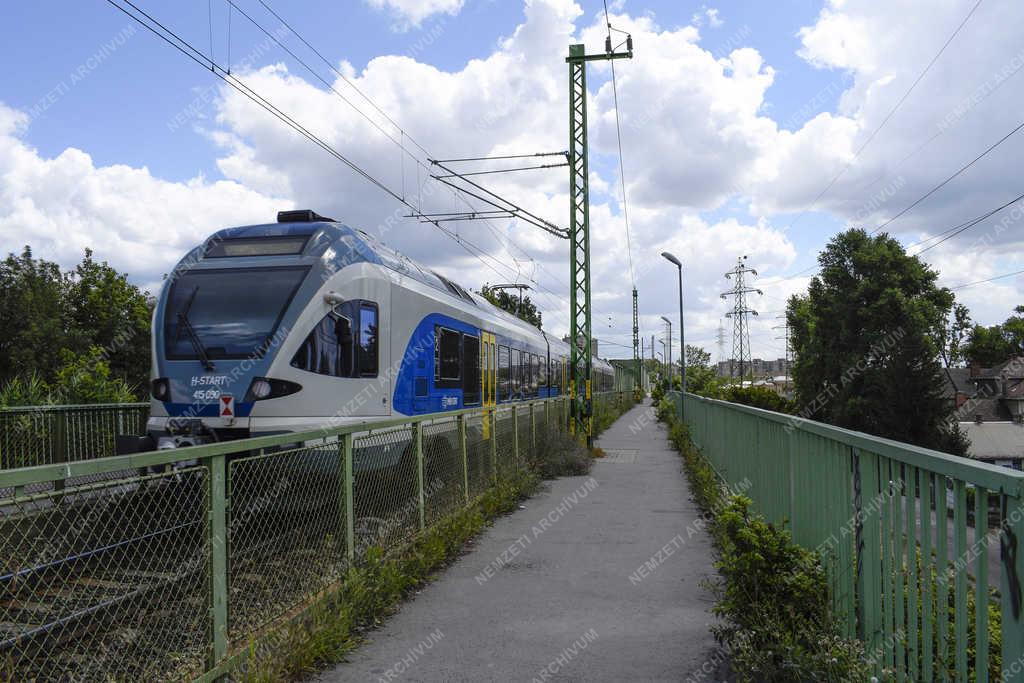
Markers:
581,416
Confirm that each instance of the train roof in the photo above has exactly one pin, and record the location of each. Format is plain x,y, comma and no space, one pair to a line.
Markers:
305,233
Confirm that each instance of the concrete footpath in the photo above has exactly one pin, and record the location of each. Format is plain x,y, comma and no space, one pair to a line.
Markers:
597,579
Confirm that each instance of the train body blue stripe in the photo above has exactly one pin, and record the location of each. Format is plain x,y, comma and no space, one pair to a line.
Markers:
418,367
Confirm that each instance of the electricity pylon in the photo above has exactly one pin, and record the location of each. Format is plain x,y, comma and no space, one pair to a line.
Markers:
720,340
739,313
580,365
785,334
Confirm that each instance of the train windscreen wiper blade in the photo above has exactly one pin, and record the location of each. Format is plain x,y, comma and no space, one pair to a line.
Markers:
197,343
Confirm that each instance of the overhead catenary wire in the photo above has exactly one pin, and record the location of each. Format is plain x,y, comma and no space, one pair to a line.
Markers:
225,75
404,134
187,49
618,137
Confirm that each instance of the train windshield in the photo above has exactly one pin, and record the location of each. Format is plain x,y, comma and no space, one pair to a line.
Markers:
227,313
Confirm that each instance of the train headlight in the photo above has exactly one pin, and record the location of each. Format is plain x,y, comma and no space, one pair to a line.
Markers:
161,389
264,388
260,388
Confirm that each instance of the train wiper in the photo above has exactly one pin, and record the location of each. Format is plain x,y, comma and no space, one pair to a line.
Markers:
197,343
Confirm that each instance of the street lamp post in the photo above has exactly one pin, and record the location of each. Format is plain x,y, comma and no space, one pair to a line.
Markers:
682,338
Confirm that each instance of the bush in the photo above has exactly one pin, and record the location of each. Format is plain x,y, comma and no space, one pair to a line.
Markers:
758,397
772,595
558,455
27,390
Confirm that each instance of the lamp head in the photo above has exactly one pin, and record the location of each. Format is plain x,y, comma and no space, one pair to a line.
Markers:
672,258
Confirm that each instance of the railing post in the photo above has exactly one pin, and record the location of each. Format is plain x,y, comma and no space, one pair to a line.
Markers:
1011,537
869,560
217,515
465,454
60,445
417,435
347,455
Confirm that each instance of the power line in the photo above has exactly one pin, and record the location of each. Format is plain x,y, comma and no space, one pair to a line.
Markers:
888,116
938,187
340,74
932,191
956,230
942,130
981,282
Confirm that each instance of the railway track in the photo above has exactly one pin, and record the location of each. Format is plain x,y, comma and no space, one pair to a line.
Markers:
87,592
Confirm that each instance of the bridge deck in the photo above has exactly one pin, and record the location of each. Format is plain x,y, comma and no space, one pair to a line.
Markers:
554,599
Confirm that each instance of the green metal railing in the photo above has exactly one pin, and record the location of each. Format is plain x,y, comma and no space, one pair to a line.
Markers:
160,571
41,435
907,558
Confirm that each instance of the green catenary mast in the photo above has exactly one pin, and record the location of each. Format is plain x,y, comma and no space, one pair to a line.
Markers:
581,417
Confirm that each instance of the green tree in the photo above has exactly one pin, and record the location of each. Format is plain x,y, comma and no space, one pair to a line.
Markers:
86,378
32,331
90,311
104,310
697,357
525,310
701,378
867,339
990,346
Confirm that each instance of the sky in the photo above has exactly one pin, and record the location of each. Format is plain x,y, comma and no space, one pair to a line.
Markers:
748,128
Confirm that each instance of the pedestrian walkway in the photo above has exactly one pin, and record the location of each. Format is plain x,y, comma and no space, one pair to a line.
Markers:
597,579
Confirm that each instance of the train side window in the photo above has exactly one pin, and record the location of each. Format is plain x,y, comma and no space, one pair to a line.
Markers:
328,350
517,372
447,361
535,375
368,340
471,376
527,373
504,373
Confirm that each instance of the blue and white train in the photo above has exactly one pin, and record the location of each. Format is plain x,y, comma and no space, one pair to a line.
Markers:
306,323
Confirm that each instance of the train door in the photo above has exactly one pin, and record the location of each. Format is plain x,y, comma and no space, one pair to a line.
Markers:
488,377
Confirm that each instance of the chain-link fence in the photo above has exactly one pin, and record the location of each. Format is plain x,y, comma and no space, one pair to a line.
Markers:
40,435
168,571
106,581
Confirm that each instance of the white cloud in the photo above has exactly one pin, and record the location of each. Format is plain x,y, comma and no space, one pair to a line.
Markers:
411,13
710,14
142,225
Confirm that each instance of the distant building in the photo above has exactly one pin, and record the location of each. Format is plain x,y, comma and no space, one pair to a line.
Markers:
758,368
988,404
